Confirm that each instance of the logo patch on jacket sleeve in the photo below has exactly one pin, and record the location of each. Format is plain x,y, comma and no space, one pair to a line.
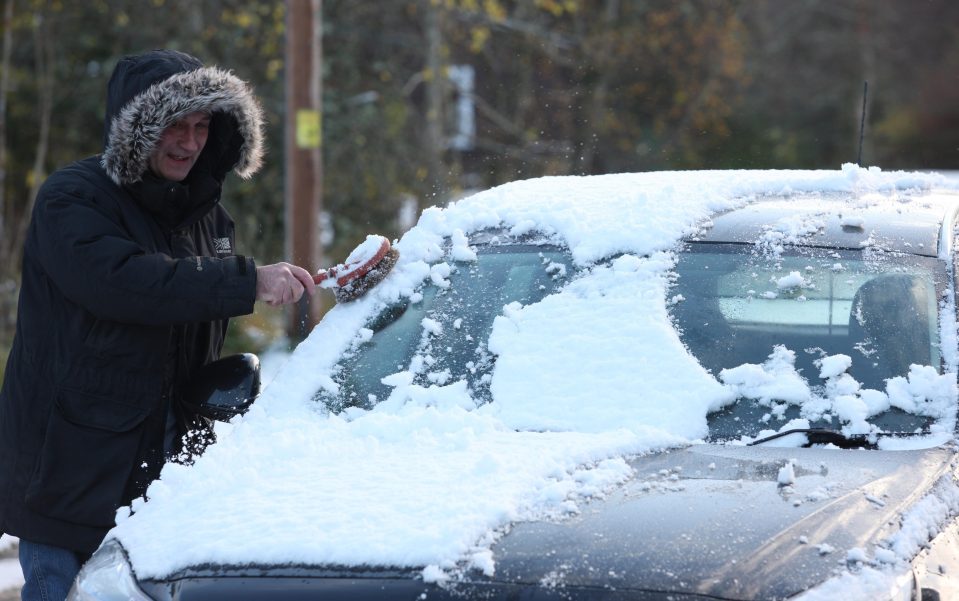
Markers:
222,246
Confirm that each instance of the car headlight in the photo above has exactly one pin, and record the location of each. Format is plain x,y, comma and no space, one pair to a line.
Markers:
107,576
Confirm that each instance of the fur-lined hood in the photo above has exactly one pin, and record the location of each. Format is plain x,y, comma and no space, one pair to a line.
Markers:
149,92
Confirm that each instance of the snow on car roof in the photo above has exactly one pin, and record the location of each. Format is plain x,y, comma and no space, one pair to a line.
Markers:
428,480
894,222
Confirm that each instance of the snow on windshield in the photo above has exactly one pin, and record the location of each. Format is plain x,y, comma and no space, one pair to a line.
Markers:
583,378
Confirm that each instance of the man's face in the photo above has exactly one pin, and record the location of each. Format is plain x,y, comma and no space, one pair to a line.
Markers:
179,146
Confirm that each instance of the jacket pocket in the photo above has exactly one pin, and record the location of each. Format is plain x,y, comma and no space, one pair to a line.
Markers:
89,451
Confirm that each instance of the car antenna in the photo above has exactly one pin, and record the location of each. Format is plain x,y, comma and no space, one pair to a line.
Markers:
862,123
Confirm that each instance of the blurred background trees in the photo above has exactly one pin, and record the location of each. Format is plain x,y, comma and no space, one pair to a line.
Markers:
425,100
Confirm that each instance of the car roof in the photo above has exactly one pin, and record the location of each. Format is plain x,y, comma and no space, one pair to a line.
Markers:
910,224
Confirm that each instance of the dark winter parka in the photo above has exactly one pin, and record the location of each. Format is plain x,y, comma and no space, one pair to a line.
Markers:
128,282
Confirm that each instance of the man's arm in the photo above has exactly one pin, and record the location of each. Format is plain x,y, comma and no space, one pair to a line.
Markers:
96,264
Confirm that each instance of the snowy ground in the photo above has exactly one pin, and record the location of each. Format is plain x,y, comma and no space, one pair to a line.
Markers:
11,578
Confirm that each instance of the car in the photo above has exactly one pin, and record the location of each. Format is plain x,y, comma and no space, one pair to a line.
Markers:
678,385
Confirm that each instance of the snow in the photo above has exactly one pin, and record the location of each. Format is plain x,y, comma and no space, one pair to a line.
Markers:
787,475
834,366
776,384
793,280
775,379
889,569
11,576
368,249
461,250
855,221
583,378
639,333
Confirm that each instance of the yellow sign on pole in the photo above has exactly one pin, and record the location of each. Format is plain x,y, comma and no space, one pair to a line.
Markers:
309,129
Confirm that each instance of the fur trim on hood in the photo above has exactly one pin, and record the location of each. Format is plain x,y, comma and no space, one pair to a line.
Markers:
135,131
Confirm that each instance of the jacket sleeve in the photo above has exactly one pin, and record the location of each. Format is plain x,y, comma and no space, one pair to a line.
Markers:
92,258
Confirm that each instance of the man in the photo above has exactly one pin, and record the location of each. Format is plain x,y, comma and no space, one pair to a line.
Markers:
129,278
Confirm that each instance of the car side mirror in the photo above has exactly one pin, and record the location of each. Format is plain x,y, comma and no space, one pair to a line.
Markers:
225,388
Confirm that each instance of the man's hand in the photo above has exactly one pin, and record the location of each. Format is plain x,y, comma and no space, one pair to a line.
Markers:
282,284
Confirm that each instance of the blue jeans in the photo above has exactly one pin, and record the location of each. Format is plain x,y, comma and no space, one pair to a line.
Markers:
48,571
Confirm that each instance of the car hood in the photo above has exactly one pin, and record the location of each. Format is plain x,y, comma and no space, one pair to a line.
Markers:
728,522
706,521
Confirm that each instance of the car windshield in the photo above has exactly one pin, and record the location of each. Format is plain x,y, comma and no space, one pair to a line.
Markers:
440,335
735,305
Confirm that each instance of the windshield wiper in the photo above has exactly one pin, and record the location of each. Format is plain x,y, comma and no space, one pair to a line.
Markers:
824,436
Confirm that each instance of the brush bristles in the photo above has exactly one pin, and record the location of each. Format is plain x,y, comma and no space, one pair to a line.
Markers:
364,283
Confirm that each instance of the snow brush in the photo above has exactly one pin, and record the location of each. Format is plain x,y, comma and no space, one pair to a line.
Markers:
366,267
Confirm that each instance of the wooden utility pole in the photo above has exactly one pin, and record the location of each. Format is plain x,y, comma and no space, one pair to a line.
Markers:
435,91
304,139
